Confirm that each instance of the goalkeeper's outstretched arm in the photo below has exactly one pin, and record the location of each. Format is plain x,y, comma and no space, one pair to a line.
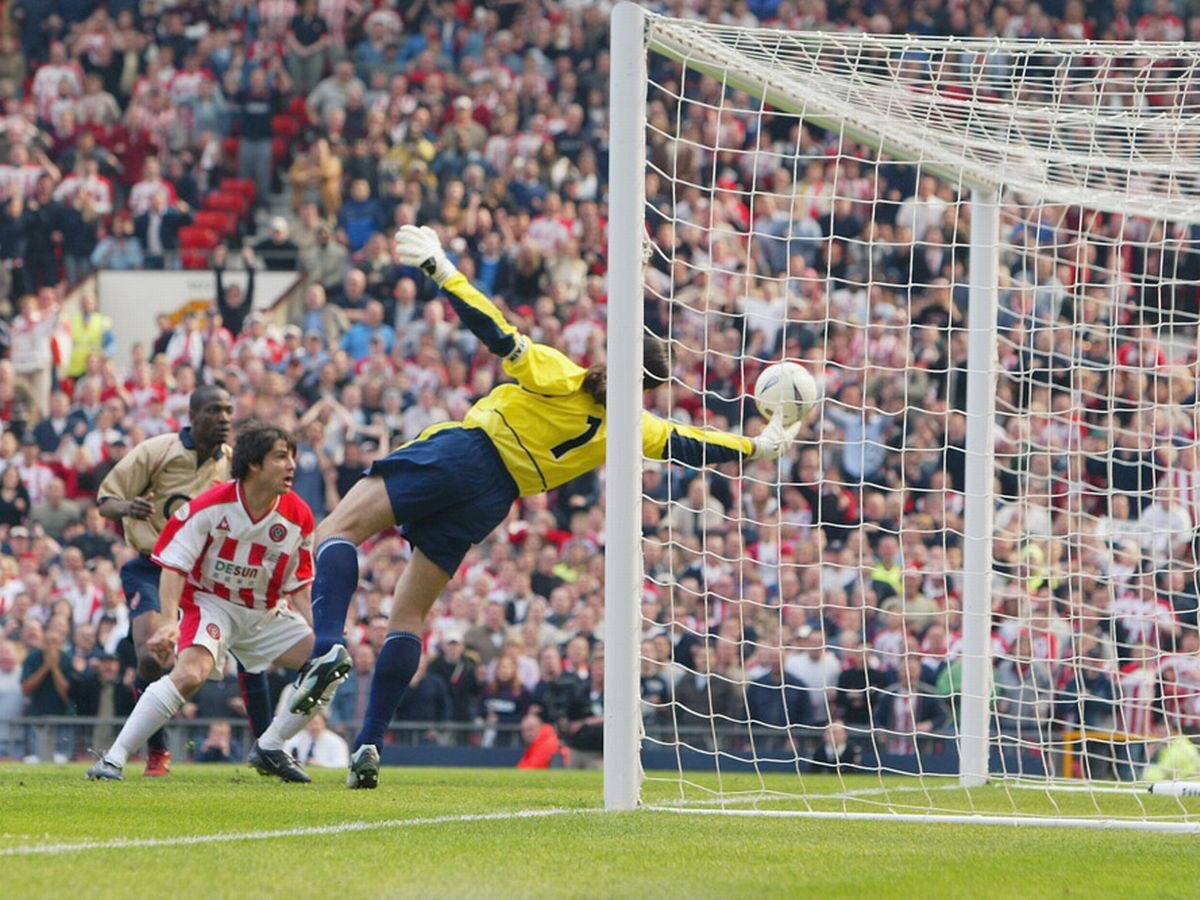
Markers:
546,371
421,247
666,440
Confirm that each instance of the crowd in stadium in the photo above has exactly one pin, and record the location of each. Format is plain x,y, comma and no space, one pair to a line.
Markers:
831,601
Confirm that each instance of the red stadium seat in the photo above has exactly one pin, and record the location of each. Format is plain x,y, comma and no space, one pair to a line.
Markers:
244,186
279,148
229,146
192,259
297,107
285,126
225,223
197,237
228,201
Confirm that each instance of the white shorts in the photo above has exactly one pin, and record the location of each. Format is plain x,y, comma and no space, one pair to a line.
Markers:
254,637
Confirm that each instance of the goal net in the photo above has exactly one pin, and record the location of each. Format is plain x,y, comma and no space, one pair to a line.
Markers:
969,591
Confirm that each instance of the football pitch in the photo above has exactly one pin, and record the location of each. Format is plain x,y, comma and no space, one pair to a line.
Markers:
224,831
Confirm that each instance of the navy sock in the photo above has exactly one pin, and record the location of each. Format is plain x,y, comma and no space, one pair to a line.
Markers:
256,694
158,740
394,669
335,583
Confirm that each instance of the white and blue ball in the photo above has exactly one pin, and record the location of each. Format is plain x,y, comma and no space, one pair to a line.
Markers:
787,386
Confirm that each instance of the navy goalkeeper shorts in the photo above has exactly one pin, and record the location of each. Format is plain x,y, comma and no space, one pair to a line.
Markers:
448,491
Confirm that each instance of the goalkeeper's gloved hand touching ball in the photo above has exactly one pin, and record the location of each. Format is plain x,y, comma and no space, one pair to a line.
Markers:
774,440
421,247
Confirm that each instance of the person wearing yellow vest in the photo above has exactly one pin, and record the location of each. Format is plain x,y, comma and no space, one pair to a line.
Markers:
888,570
91,332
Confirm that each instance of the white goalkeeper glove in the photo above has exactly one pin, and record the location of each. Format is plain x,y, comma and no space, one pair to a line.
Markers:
421,247
774,440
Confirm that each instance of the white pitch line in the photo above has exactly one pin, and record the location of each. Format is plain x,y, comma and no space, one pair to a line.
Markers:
230,837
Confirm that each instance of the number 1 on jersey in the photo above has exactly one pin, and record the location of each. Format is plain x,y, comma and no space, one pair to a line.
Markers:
593,425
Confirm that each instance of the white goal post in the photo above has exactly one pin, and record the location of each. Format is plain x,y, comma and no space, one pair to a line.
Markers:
1055,186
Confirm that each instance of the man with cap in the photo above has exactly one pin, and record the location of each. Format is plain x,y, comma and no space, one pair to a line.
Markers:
292,350
99,692
20,542
277,250
459,672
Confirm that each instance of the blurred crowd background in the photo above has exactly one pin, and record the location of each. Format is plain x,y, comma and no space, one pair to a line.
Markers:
815,606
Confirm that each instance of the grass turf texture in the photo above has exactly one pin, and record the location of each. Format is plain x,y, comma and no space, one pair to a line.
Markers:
572,854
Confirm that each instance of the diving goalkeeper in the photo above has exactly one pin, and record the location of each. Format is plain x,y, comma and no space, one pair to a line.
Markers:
456,482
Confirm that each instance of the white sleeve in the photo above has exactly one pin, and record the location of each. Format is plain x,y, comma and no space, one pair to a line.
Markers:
183,539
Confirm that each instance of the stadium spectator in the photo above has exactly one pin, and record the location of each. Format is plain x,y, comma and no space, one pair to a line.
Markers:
307,40
503,704
32,354
218,746
55,513
427,701
542,744
46,681
277,250
14,498
98,691
91,332
459,673
907,709
316,745
256,105
157,230
121,249
485,641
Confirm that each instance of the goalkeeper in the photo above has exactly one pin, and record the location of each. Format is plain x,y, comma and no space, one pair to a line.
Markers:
457,481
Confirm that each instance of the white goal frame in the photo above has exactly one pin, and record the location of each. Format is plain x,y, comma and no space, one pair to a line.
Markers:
632,38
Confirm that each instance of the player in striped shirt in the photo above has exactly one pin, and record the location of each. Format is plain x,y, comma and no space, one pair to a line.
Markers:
142,491
456,482
237,562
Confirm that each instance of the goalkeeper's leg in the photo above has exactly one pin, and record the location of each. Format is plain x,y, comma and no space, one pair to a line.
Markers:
419,586
365,511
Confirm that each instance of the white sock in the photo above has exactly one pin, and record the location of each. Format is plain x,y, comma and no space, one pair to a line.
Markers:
284,727
154,709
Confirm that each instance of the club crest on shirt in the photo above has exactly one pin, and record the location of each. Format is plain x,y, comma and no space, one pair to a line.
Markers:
214,631
277,532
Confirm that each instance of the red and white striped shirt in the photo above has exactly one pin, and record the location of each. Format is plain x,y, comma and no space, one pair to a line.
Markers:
226,553
1181,686
1138,685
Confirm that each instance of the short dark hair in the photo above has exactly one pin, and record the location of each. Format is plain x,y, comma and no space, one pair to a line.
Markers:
656,362
204,395
656,370
255,439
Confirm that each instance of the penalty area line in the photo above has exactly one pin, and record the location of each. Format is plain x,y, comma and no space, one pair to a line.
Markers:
234,836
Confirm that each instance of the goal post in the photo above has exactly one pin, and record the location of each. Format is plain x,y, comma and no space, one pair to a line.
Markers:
623,473
986,252
979,497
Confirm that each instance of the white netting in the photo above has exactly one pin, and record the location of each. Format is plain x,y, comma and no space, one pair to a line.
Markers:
802,620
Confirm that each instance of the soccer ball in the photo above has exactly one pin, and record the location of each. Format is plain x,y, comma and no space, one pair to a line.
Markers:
787,386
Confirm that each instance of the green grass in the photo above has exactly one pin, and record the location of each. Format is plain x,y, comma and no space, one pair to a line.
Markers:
584,853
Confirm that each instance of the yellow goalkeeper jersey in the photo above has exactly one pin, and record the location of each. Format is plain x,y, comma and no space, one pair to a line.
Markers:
546,428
